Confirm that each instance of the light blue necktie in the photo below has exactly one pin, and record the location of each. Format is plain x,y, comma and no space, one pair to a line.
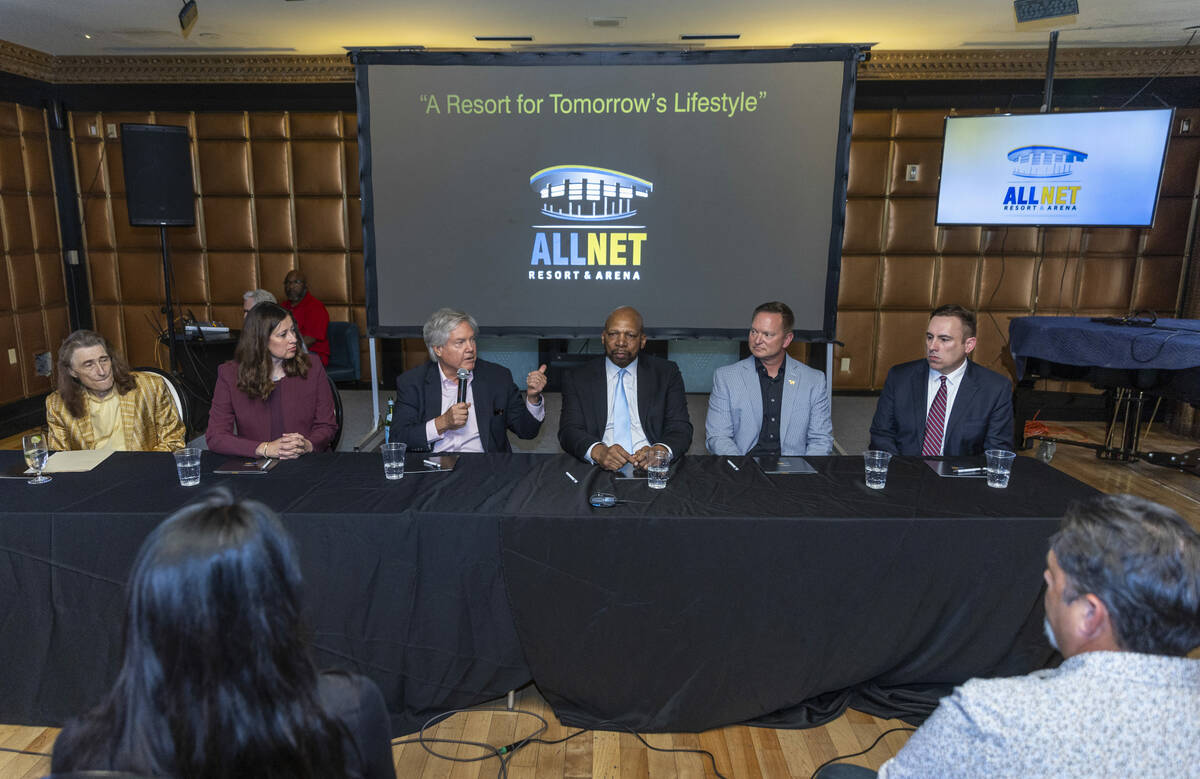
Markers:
622,431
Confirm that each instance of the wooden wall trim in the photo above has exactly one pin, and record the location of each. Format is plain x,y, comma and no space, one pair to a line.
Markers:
174,69
22,61
1031,63
336,68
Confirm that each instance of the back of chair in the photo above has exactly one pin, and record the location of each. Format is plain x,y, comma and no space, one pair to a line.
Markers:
177,394
337,413
344,361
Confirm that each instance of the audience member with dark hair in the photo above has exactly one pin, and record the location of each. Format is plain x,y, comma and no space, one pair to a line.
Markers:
101,404
272,399
217,680
1123,607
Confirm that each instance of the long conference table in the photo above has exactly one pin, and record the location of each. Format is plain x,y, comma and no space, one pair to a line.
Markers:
731,596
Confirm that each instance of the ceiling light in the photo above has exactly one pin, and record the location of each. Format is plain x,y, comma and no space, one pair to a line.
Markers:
606,21
87,35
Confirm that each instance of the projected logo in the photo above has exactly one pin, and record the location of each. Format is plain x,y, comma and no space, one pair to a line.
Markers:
1043,162
591,241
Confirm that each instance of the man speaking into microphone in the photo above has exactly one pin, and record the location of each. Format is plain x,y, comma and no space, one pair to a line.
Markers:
458,402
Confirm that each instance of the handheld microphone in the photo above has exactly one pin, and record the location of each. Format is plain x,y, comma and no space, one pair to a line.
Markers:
463,375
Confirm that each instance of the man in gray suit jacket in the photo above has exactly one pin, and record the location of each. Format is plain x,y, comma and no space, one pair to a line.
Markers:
769,404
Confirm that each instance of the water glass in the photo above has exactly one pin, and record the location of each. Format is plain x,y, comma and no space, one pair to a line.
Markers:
36,454
187,464
999,466
393,459
876,464
657,469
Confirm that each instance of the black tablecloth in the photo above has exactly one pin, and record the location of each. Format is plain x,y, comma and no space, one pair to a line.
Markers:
729,596
402,578
734,596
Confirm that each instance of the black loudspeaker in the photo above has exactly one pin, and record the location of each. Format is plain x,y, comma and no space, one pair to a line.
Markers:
158,174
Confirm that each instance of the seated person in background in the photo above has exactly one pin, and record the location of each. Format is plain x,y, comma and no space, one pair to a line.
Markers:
1123,607
312,320
271,399
101,404
769,404
944,404
217,679
428,415
616,409
253,297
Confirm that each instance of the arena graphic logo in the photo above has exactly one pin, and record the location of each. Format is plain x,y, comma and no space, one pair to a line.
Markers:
1043,162
591,238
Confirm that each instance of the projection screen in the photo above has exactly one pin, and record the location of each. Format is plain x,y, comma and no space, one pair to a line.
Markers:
540,191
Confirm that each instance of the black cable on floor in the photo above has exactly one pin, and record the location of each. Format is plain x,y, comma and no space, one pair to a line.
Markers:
865,751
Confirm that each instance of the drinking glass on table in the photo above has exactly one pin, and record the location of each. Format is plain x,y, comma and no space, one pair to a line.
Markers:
658,466
187,466
875,463
999,466
36,452
393,459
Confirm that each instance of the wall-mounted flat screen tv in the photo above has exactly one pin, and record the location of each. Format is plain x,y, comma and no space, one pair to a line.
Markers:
1094,168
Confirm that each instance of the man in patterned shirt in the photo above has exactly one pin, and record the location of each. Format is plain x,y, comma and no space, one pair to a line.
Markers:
1123,607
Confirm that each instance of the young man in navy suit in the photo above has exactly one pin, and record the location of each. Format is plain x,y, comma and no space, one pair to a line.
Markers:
945,404
429,416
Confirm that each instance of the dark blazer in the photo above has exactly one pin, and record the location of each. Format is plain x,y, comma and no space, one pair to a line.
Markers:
982,416
662,406
498,404
238,423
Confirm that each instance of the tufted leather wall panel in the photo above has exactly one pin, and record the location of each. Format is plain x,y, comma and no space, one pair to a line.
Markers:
273,193
33,309
279,190
897,264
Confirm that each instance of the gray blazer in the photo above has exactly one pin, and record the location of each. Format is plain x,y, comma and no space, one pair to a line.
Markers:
735,411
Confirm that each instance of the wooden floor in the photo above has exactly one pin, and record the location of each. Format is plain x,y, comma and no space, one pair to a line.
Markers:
740,751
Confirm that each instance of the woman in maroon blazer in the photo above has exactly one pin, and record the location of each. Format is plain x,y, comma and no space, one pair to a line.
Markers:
271,400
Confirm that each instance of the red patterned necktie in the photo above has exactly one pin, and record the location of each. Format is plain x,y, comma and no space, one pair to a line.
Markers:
935,423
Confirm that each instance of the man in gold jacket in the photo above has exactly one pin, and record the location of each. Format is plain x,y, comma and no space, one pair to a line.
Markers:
101,404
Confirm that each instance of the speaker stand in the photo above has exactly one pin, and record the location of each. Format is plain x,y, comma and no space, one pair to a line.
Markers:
168,307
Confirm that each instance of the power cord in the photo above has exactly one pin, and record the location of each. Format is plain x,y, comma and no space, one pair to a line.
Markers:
703,752
505,753
865,751
24,752
1175,59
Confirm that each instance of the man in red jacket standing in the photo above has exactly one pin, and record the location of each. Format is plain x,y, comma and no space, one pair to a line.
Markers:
312,320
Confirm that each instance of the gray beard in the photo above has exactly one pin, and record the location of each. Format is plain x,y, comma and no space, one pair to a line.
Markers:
1050,633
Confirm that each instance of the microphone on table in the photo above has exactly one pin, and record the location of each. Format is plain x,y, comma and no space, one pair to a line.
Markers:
463,375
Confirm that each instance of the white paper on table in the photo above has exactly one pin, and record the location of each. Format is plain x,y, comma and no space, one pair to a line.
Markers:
76,461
